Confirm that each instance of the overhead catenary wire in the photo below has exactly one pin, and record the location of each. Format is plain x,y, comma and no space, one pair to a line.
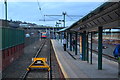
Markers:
43,16
39,5
40,9
69,17
75,16
53,18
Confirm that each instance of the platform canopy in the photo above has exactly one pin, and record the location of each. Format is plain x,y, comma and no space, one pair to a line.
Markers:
107,16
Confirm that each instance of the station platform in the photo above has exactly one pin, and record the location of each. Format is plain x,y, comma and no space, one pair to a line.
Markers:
76,68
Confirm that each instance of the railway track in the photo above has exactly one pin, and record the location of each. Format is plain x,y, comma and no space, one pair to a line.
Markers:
44,51
106,56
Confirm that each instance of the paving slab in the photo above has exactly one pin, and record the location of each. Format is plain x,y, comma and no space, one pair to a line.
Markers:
72,68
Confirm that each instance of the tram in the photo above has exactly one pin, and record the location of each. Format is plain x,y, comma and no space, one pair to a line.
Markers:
43,35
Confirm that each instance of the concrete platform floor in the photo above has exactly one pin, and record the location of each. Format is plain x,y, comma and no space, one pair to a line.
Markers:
81,69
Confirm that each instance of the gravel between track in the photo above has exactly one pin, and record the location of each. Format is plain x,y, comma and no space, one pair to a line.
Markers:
18,67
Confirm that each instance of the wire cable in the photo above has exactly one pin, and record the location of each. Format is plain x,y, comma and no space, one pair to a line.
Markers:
70,17
40,9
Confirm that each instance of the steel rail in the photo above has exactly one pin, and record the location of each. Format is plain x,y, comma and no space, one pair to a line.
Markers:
107,56
23,77
50,72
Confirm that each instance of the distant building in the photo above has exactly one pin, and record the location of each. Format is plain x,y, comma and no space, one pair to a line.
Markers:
2,23
23,25
12,24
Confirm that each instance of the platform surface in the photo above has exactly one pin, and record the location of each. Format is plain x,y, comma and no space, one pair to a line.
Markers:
72,68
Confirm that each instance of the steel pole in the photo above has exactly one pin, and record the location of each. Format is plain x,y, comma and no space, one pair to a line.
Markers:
64,13
84,46
100,48
75,43
70,41
5,2
6,10
91,50
87,45
67,39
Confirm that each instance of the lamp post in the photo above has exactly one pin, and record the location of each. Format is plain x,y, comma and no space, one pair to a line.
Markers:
5,2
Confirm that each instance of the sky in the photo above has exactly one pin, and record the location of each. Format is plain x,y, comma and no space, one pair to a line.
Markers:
34,12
